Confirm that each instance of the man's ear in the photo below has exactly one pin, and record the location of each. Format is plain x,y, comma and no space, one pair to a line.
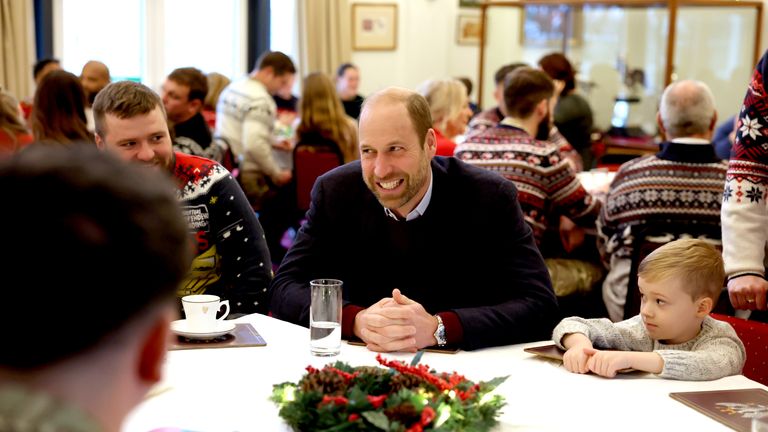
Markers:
713,123
660,124
154,347
704,306
542,108
196,105
99,141
430,142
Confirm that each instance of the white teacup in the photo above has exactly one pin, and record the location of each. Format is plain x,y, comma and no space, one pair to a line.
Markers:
201,309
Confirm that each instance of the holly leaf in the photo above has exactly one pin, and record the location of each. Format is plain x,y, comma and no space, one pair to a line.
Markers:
377,418
417,358
496,382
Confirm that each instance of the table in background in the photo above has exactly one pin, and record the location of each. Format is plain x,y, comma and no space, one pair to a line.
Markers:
228,389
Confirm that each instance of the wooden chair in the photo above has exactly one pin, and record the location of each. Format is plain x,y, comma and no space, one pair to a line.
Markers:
754,335
650,238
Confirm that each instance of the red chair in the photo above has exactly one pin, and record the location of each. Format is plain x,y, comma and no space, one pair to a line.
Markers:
754,335
310,161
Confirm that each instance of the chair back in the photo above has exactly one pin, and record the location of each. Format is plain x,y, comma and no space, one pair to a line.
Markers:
754,335
648,239
311,159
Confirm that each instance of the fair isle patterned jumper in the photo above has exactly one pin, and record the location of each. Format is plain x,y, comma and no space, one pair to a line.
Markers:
231,255
491,118
681,184
546,184
744,215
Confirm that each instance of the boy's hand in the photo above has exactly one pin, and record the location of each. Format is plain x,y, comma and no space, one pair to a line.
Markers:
575,358
608,363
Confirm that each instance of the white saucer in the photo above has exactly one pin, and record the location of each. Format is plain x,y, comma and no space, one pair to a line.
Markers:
181,328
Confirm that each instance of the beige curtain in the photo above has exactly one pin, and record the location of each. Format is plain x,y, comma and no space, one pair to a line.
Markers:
325,33
17,46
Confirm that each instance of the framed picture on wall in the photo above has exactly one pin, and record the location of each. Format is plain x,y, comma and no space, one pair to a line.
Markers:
468,30
551,26
469,3
374,26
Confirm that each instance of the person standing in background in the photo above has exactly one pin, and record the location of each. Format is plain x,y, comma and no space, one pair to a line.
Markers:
744,213
245,117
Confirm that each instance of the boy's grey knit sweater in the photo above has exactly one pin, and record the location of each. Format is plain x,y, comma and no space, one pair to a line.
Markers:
714,353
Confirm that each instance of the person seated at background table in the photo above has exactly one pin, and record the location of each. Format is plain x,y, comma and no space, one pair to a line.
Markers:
347,84
94,76
673,336
322,117
468,86
39,70
183,93
724,136
13,132
547,184
387,227
58,115
232,259
682,184
572,114
449,107
216,84
491,117
101,290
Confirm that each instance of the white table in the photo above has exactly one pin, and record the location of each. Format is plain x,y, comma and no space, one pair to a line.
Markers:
227,389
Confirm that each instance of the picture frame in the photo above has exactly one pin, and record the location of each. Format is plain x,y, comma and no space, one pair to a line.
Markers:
468,30
374,26
469,3
551,26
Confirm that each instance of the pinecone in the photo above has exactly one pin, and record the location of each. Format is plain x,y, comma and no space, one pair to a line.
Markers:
406,381
405,413
326,382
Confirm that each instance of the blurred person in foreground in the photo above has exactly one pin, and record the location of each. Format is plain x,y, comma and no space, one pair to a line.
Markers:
116,247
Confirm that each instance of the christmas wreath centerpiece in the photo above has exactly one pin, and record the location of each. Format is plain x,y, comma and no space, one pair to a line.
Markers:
402,397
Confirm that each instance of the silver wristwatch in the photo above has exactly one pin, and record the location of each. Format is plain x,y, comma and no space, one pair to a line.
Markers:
440,332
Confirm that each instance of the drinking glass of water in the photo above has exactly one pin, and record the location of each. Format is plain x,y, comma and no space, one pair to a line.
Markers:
325,317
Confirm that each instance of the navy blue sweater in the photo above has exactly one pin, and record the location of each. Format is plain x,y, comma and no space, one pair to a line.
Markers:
471,254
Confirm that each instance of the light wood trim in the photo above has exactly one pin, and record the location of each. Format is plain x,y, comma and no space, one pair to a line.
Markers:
672,5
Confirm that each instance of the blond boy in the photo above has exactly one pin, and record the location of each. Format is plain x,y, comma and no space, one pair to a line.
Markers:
673,336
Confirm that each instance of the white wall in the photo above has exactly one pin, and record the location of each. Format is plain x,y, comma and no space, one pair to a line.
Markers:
426,47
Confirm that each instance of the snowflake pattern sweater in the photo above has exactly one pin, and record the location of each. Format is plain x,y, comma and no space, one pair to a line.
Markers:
545,182
744,214
231,255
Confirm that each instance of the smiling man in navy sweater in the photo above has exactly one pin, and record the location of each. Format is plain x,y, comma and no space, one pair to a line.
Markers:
403,222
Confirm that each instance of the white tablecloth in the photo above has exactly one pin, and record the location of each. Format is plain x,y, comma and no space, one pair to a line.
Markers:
228,389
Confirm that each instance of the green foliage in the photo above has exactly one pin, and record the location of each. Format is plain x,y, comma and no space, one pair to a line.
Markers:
393,400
